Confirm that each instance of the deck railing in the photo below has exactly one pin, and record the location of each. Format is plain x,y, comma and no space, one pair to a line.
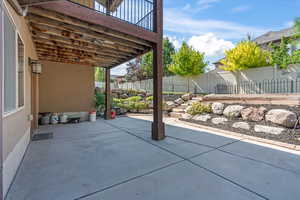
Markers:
137,12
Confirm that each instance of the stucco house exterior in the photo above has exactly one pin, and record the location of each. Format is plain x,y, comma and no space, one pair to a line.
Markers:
68,39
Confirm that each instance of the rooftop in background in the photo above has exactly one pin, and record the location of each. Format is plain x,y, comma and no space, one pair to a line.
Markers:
274,36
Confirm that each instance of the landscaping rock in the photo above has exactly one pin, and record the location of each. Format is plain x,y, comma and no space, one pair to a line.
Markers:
186,116
170,105
187,97
219,120
218,108
175,114
268,129
203,118
233,111
282,117
123,96
241,125
254,114
179,101
187,108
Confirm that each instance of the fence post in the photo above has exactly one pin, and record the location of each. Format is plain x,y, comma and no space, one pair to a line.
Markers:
292,86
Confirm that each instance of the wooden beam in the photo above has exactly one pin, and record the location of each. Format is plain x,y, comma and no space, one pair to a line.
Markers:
16,6
95,18
55,27
70,45
158,127
107,114
88,26
83,43
78,51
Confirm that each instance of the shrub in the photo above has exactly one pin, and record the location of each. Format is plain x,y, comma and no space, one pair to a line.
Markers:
134,99
150,98
245,55
99,100
199,108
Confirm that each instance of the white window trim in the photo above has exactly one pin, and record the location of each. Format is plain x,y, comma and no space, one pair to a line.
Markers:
17,108
24,71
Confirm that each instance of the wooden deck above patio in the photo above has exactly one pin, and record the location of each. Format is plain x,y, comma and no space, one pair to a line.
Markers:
67,32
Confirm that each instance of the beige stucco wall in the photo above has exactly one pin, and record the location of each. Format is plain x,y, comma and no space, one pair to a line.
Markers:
66,88
16,124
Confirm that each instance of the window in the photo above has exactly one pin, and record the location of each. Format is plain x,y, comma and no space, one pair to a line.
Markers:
21,78
14,61
10,87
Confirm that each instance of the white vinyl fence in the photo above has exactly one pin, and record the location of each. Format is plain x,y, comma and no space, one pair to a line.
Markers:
252,81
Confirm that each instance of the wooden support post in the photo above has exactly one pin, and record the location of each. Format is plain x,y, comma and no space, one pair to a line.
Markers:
107,114
158,127
108,5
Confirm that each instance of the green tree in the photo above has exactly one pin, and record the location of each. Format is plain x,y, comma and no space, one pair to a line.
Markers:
245,55
99,74
168,52
188,62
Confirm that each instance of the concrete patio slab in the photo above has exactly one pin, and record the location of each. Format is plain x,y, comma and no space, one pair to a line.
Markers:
178,182
118,160
271,182
280,159
67,168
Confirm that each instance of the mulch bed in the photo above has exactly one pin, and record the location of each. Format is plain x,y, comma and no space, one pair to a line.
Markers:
290,136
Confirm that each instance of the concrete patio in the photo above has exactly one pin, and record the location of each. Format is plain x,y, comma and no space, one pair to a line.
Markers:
111,160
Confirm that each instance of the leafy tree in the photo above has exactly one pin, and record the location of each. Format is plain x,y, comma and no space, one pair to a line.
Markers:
188,62
134,70
245,55
168,52
99,74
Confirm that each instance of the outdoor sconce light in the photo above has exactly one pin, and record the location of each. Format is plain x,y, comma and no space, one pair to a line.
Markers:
35,66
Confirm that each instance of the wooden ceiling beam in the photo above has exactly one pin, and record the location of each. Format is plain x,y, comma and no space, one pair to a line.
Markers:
75,32
69,44
73,21
78,51
82,43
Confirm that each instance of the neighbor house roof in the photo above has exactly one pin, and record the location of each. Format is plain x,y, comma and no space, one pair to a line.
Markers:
274,36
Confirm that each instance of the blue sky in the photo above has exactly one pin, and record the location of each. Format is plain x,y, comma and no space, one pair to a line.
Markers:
213,26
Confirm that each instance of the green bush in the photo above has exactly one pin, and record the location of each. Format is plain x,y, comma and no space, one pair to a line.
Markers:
134,99
133,104
150,98
99,100
199,108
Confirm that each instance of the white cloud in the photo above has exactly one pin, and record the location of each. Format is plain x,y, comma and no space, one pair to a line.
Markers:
178,22
176,42
210,44
120,70
241,8
205,4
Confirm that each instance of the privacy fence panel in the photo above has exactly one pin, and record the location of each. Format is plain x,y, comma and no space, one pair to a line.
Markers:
253,81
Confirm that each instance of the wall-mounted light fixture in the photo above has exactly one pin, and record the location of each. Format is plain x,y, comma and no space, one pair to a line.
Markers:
36,66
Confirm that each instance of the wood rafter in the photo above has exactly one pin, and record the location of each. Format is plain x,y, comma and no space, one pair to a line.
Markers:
61,38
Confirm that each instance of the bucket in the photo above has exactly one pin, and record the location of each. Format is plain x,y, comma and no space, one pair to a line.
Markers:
63,118
92,116
45,120
54,119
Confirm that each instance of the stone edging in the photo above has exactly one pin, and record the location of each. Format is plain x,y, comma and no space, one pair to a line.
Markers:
242,136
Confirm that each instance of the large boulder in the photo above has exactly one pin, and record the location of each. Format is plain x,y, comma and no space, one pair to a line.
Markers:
282,117
217,108
186,116
268,129
241,125
219,120
203,118
233,111
254,114
169,105
179,101
187,97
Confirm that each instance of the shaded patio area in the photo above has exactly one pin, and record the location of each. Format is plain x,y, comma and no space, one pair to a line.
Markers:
117,159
